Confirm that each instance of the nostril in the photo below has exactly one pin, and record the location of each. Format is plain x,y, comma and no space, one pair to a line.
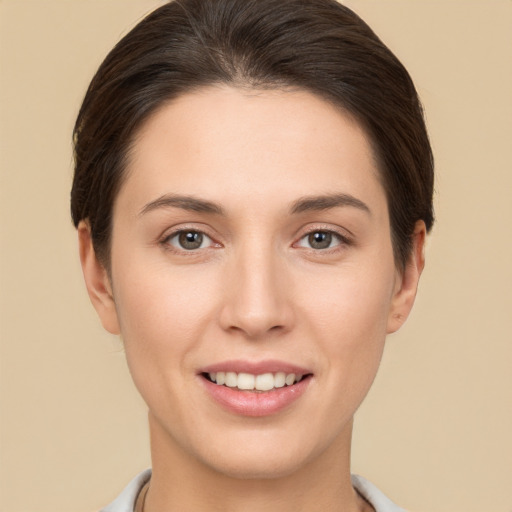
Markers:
256,313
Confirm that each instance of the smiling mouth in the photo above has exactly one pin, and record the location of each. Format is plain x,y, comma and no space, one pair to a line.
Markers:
254,383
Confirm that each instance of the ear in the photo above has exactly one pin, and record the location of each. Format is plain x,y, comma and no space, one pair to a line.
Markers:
97,280
407,280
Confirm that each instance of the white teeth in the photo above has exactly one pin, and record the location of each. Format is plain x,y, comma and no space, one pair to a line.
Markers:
249,382
279,379
264,382
231,380
290,379
245,381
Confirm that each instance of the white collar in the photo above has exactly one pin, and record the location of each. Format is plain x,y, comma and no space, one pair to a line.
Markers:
125,502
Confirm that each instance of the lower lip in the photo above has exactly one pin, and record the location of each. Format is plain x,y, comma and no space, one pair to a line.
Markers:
247,403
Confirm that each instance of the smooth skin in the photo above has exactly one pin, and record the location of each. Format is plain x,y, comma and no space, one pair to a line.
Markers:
251,225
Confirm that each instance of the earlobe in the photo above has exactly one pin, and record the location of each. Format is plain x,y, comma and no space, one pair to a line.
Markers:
97,280
407,283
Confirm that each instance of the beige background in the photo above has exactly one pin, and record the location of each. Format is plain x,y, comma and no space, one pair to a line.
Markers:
435,431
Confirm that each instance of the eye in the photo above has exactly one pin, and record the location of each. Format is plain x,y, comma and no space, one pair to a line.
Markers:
320,239
189,240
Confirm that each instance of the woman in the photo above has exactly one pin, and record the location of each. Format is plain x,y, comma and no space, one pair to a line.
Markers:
252,191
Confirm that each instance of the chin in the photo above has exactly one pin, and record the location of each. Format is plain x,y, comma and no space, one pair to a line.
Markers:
248,466
263,455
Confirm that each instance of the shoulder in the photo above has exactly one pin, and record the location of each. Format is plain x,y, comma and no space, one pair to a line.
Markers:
378,500
125,502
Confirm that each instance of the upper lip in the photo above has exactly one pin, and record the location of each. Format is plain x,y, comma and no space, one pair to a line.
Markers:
255,367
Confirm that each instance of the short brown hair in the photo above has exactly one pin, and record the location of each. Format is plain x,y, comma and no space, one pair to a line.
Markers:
316,45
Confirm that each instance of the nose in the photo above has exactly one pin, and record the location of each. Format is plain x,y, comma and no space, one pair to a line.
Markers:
257,297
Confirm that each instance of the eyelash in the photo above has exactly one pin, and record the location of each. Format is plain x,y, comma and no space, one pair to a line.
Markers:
342,240
166,241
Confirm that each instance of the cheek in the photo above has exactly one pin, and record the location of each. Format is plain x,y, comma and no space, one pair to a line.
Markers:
163,316
349,320
163,313
351,303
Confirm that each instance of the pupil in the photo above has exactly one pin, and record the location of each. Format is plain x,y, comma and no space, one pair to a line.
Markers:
191,240
320,240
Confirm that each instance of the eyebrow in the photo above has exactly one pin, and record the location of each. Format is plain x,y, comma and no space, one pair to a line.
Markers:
326,202
189,203
304,204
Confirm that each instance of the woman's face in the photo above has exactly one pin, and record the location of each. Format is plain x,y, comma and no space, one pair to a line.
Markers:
251,241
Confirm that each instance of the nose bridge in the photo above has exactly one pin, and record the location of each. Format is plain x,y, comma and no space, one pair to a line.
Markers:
256,301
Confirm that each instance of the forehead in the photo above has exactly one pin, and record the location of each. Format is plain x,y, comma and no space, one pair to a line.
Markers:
220,140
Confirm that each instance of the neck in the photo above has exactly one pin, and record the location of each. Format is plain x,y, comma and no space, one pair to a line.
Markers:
182,482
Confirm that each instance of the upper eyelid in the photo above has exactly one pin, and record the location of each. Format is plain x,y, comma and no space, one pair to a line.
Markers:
342,239
180,228
210,241
345,238
165,243
343,233
174,234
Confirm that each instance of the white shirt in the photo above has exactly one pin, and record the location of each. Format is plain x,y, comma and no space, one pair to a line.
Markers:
125,502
